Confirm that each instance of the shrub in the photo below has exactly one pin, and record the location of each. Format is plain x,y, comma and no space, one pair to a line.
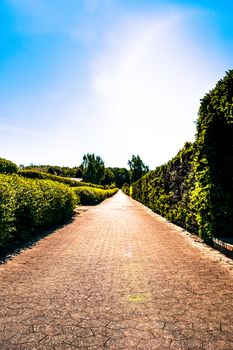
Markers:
126,189
27,204
92,196
34,174
213,193
7,210
7,167
195,189
166,190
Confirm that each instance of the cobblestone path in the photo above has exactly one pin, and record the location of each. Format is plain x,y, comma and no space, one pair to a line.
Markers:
118,277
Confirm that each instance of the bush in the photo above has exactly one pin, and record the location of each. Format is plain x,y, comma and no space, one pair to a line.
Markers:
27,204
195,189
126,189
7,167
92,196
7,210
213,193
166,190
34,174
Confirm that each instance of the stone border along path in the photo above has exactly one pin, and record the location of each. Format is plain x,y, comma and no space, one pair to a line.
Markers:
118,277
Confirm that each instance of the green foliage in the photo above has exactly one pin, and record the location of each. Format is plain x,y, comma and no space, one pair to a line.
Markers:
7,167
33,174
92,196
7,209
126,189
93,168
137,168
121,176
29,204
166,189
75,172
109,177
195,189
214,160
116,176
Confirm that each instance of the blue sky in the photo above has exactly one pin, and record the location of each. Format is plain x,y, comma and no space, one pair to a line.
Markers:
111,77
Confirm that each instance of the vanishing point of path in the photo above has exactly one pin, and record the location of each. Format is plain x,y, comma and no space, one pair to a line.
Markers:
118,277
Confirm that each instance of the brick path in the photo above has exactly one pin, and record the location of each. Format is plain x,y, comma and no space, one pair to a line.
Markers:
118,277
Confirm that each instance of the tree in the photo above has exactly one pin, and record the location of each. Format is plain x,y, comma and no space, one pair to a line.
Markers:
121,176
93,168
109,177
137,168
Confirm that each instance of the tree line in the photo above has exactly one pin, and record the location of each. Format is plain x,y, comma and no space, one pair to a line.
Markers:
92,169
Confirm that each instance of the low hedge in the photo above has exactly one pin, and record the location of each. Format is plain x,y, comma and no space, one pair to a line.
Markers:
91,195
34,174
7,167
27,204
126,189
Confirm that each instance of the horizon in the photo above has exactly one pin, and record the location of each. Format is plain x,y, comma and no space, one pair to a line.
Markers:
109,77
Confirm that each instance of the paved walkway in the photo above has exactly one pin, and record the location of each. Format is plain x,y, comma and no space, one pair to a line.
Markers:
119,277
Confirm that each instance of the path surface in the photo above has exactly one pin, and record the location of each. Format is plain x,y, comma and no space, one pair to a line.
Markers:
119,277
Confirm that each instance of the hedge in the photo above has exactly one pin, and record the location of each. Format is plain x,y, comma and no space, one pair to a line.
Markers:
91,195
34,174
126,189
166,190
7,167
195,189
26,205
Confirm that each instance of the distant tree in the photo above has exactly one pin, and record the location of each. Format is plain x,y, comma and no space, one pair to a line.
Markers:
78,172
109,177
93,168
51,171
121,176
137,168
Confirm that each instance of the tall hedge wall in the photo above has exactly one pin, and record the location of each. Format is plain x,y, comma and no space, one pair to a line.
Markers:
195,189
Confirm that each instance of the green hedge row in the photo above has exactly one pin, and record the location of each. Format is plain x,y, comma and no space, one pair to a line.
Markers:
166,190
195,189
34,174
91,195
7,167
126,189
26,205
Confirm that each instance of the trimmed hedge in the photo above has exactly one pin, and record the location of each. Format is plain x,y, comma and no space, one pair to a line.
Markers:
166,190
126,189
91,195
195,189
213,166
7,167
34,174
26,205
